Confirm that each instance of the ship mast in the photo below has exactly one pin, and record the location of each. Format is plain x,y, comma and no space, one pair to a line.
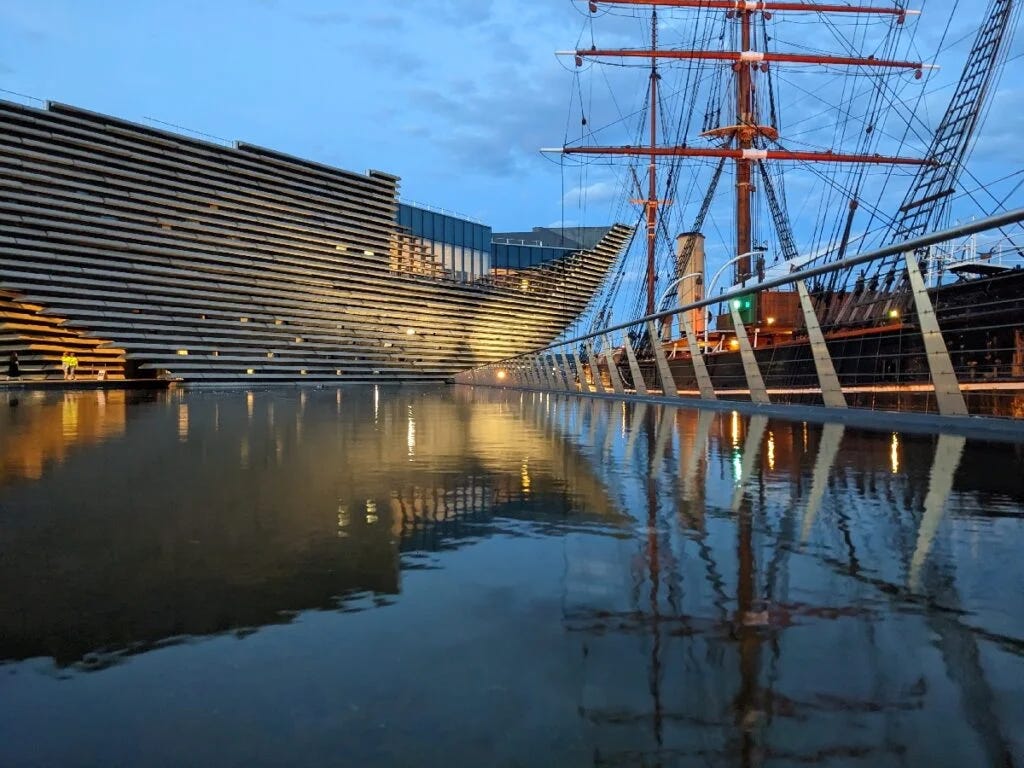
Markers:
652,178
739,140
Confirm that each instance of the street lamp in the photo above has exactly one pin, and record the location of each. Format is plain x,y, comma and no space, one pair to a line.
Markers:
718,274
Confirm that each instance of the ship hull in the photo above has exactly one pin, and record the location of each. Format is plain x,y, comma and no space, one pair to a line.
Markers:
886,365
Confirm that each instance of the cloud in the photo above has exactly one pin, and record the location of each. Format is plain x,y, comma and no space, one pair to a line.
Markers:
597,192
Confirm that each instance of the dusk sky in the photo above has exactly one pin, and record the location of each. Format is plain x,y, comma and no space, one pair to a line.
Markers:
454,96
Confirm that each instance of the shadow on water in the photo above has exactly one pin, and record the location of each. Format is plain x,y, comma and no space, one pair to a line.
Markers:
596,583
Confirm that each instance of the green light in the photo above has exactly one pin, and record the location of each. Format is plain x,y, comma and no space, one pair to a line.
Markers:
736,303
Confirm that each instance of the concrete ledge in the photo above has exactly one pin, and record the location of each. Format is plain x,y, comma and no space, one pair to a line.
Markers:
59,385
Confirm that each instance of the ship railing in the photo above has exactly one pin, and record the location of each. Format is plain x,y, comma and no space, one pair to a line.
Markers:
864,332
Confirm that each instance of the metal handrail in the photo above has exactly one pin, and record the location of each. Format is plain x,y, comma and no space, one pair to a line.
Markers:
1010,217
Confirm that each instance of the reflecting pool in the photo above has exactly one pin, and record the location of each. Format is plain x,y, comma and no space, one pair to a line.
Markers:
446,577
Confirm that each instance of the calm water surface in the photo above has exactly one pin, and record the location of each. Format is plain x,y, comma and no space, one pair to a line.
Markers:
427,577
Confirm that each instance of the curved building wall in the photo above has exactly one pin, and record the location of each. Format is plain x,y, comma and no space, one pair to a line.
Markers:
222,263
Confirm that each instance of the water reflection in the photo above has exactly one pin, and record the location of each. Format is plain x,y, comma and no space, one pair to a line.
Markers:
653,585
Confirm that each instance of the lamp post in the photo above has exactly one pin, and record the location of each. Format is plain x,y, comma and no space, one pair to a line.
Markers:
718,274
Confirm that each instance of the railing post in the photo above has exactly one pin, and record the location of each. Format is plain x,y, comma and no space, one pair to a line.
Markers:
613,371
700,369
758,393
563,376
538,366
570,380
584,387
668,384
546,372
948,397
595,369
831,391
634,367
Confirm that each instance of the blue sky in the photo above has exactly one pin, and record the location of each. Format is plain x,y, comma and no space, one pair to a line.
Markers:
454,96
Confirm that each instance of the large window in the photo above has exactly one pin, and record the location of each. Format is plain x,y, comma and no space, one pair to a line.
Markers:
461,247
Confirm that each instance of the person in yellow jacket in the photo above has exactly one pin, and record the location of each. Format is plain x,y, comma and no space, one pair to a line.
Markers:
72,365
65,365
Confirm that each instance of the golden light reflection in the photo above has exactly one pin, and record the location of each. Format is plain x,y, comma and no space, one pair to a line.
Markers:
249,401
735,432
243,453
371,511
376,403
771,450
894,454
183,422
69,417
410,435
47,431
343,521
524,474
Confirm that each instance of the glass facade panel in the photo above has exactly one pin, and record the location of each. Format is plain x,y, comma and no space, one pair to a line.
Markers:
460,246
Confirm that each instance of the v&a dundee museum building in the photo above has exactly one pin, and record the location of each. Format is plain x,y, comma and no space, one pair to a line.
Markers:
149,253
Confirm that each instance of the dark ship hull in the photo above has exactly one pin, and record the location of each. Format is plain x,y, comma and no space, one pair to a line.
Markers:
882,363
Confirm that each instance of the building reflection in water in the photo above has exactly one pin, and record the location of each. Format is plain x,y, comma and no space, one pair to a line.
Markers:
732,589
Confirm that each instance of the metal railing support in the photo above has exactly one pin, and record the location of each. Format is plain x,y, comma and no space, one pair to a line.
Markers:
584,386
700,368
595,369
639,386
831,391
755,383
542,379
613,371
668,384
570,381
565,379
549,374
948,397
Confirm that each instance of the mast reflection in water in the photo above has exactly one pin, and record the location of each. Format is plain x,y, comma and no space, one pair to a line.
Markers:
447,577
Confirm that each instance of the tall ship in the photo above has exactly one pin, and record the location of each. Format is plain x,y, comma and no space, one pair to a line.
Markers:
150,253
819,113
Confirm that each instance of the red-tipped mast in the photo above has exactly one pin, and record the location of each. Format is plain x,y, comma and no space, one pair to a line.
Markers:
746,129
